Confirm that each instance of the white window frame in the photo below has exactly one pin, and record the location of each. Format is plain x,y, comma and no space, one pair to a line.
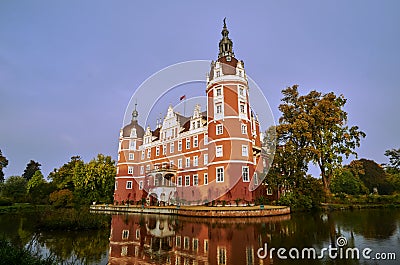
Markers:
205,159
187,143
219,151
218,108
141,170
179,181
149,153
187,162
143,154
180,163
180,145
116,185
219,129
164,149
131,156
245,174
157,150
125,234
187,180
245,150
130,169
195,180
205,139
171,147
269,191
195,141
129,185
195,161
219,176
205,178
132,145
141,185
255,177
244,128
242,111
218,91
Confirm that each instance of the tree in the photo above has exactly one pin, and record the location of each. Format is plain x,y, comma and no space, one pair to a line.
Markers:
394,159
3,164
371,174
315,127
346,182
95,181
64,177
30,169
35,181
15,188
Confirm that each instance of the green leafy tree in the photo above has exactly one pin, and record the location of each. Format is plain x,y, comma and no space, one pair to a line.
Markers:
35,181
3,164
346,182
62,198
64,177
394,159
95,181
15,188
314,125
38,189
30,169
372,175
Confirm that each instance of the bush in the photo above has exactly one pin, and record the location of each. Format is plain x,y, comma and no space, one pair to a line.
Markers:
62,198
5,201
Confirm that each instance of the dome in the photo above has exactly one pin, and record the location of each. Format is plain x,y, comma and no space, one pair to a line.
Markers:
127,130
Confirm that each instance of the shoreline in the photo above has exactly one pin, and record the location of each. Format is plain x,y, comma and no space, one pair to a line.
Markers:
199,211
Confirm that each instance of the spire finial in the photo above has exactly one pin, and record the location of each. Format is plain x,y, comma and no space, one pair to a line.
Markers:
225,44
224,22
135,113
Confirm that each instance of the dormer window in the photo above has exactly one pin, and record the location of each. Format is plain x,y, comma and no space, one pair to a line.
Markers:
218,74
218,92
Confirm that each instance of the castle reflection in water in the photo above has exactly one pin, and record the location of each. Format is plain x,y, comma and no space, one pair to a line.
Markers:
154,239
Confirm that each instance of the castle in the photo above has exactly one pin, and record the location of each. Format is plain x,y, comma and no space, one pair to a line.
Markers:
212,155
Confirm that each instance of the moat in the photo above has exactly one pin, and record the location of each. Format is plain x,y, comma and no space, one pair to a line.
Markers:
169,239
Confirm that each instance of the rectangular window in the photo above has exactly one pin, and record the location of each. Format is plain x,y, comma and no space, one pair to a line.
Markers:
131,156
218,91
171,147
125,234
245,150
245,174
116,185
148,168
205,179
244,129
195,141
143,155
129,185
219,129
195,161
241,91
187,161
220,174
221,255
269,191
137,233
187,143
179,183
180,163
205,159
195,244
132,145
180,145
148,153
130,170
178,241
157,151
218,151
164,149
205,139
255,179
141,170
218,108
195,180
242,108
186,242
141,185
205,246
187,180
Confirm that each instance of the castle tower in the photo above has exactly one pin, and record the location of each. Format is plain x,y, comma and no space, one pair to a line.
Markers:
230,127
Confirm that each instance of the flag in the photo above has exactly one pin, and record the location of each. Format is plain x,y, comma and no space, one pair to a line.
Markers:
182,97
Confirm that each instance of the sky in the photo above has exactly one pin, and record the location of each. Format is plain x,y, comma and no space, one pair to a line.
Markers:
68,69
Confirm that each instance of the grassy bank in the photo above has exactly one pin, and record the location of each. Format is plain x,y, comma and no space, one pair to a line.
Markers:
349,202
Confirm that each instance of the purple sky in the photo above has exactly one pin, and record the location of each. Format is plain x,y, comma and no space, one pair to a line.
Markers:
69,68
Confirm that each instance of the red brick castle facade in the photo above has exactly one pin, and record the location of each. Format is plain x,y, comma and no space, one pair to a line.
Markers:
208,156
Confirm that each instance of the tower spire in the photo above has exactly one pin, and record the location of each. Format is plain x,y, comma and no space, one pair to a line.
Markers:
135,113
225,44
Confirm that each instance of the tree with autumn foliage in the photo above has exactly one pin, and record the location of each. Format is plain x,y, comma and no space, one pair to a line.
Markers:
314,128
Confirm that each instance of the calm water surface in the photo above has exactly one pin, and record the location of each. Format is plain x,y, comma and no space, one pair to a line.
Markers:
153,239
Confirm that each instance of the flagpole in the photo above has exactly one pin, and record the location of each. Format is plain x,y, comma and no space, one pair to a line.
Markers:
184,107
